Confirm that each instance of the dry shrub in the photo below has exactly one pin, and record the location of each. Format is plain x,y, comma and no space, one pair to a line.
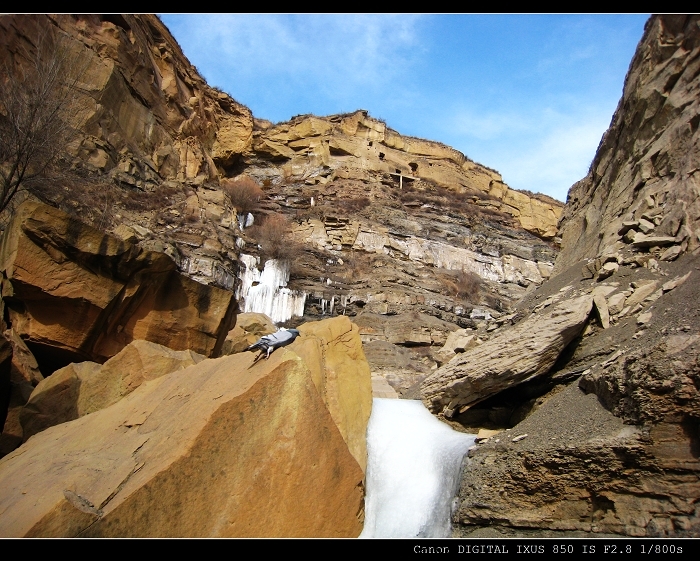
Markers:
274,238
353,205
465,285
244,192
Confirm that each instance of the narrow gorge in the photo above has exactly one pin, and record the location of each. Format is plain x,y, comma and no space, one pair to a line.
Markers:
178,228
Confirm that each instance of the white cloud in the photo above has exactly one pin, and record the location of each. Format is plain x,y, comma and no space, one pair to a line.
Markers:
337,53
545,150
555,159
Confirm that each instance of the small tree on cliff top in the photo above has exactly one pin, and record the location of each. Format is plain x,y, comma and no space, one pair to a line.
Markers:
38,101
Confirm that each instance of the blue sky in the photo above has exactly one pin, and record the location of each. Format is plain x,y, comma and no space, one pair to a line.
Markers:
528,95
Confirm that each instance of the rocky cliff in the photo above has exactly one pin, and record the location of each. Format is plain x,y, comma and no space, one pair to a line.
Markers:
382,225
598,391
585,391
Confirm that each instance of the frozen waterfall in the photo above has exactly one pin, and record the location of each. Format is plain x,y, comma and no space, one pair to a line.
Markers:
413,471
265,292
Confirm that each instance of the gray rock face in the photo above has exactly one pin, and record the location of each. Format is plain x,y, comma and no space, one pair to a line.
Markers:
622,459
521,353
641,189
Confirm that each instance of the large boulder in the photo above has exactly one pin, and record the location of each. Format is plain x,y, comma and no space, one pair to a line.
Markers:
76,293
79,389
227,447
527,350
332,350
250,326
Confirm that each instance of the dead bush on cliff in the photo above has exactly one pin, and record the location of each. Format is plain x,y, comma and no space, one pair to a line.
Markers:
464,285
244,192
274,237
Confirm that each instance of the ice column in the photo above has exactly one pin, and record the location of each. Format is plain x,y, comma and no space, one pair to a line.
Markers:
265,292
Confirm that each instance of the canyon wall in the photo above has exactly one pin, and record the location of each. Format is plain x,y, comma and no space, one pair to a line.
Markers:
603,439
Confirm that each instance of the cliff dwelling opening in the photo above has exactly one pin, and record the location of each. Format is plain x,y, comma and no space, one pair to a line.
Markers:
381,155
413,166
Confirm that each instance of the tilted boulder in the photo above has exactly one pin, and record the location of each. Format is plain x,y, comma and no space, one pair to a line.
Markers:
71,288
222,448
79,389
521,353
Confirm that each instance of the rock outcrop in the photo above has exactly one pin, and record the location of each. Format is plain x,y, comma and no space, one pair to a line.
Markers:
226,447
381,221
81,388
318,150
147,115
641,193
74,293
248,329
332,350
615,452
516,355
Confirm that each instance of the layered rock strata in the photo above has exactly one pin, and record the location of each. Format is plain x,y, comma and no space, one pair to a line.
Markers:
516,355
73,292
616,452
641,193
318,150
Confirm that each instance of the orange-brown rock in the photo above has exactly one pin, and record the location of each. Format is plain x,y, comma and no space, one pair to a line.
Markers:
248,329
321,149
79,389
147,115
223,448
332,350
72,288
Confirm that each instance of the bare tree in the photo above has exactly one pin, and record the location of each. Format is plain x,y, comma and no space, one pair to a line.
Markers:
38,101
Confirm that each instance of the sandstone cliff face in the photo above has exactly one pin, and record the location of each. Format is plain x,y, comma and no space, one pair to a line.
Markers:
615,452
318,150
154,142
147,114
386,223
75,293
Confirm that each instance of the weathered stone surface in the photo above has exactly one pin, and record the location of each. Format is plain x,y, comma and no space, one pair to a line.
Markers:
332,350
70,287
648,157
147,113
146,466
632,467
348,145
79,389
249,328
56,399
24,376
523,352
5,380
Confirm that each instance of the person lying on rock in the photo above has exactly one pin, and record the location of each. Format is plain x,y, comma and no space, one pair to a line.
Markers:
269,343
